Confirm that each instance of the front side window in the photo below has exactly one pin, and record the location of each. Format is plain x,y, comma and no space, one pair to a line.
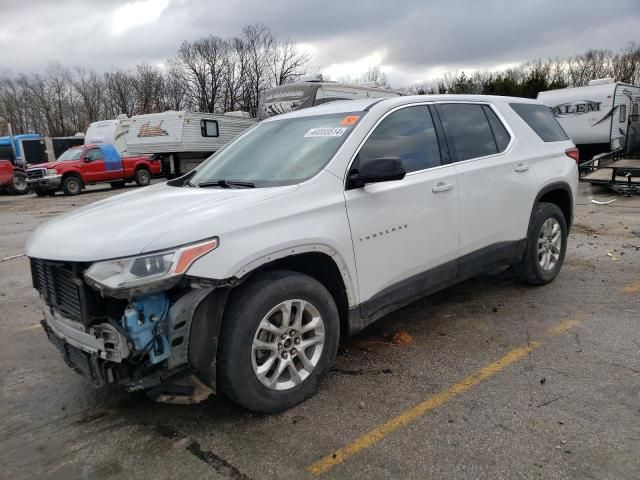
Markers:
209,128
467,130
94,154
407,134
280,151
541,121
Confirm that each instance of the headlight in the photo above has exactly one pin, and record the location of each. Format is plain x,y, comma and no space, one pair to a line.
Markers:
145,273
51,171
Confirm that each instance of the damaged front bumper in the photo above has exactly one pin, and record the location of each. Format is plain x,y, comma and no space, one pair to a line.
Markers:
114,352
50,182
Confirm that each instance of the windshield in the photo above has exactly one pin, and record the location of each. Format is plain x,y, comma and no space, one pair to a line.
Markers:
71,154
279,152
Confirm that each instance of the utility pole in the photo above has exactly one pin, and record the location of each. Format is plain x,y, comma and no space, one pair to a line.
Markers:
13,145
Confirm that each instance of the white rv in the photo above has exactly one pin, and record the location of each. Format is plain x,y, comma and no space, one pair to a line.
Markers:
182,139
600,117
109,132
316,91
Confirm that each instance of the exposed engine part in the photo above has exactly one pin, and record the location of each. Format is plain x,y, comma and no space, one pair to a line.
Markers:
144,321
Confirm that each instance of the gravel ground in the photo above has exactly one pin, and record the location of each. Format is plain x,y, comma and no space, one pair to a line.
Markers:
549,401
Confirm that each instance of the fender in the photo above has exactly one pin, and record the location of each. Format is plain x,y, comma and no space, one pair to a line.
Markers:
548,188
306,248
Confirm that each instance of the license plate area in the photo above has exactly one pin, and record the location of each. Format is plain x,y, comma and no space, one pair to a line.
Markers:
84,363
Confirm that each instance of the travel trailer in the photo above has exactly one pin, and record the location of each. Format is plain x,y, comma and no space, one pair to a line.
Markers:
312,92
182,140
600,117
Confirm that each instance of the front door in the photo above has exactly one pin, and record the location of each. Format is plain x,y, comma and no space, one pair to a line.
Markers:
94,169
405,233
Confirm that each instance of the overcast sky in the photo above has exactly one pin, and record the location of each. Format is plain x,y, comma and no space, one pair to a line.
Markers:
412,40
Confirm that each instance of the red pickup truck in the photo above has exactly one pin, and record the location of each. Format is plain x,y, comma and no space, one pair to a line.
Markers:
13,179
90,164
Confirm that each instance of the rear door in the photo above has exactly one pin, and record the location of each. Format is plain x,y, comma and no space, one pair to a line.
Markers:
405,233
497,185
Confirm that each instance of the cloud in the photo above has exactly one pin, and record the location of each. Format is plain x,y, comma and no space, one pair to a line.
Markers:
134,14
412,40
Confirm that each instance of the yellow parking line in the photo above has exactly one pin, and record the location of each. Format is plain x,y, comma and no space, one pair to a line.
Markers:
377,434
26,329
632,288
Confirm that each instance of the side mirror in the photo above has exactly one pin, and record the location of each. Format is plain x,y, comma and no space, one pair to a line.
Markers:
376,170
87,159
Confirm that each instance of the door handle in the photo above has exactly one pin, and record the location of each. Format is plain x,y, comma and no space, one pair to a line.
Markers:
521,167
442,187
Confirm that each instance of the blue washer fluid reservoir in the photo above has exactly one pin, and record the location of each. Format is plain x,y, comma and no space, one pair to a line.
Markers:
143,320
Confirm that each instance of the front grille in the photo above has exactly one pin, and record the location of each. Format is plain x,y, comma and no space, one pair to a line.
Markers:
61,286
36,172
64,289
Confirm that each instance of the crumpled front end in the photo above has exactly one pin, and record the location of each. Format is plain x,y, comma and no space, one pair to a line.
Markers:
141,342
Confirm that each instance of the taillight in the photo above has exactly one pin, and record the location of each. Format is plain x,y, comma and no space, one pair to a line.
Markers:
573,153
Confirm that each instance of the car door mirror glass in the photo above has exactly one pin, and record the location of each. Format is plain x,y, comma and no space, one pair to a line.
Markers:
376,170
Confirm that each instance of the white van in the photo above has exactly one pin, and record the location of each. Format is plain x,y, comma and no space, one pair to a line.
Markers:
600,117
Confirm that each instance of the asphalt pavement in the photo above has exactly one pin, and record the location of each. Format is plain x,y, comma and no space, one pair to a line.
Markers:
487,379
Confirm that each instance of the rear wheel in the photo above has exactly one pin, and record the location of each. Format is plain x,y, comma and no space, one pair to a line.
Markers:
279,338
143,177
546,246
71,186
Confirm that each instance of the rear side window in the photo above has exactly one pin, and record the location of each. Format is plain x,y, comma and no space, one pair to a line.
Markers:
541,121
467,129
500,133
407,134
94,154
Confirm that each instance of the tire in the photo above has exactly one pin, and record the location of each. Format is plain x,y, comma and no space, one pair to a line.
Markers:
20,185
71,186
119,184
143,177
248,308
543,258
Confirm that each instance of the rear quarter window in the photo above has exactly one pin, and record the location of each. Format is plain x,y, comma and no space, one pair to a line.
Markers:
541,121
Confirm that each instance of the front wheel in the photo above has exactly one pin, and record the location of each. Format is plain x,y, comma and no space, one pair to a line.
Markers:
546,246
71,186
20,185
279,338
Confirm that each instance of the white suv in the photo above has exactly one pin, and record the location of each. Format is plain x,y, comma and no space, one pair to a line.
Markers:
242,275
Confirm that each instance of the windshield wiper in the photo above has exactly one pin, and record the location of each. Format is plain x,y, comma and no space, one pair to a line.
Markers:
226,184
187,183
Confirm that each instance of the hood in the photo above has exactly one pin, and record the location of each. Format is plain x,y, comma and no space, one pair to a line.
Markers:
49,164
147,219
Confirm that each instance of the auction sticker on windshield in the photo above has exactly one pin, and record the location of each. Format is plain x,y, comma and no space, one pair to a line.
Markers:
326,132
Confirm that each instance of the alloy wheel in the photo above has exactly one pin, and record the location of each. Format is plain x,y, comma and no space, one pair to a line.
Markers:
549,244
288,344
